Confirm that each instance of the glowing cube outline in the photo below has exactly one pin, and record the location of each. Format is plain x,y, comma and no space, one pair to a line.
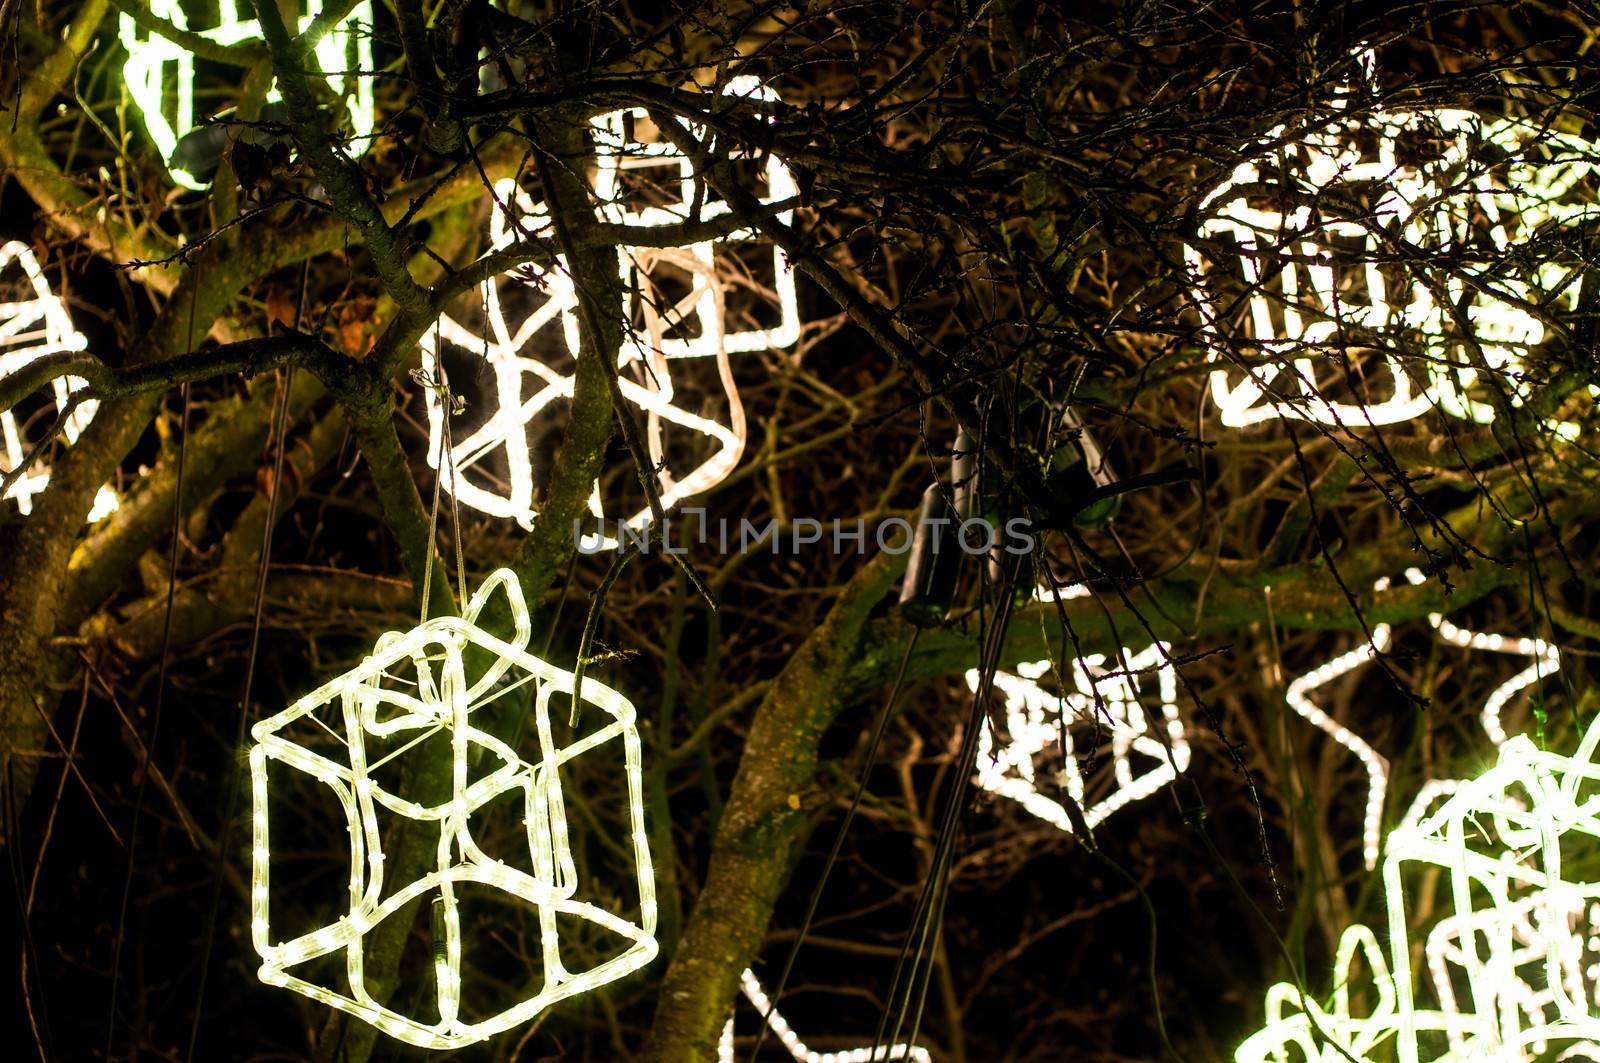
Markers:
1006,767
515,213
445,702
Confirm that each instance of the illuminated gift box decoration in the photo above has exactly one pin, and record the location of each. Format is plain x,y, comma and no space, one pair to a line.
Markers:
167,106
530,382
1513,966
32,327
803,1053
1319,282
1104,704
376,709
672,364
1519,846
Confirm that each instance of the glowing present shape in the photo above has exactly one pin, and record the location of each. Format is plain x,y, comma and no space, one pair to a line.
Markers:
346,48
1320,222
1106,699
684,196
1361,1022
371,711
1508,840
36,326
798,1048
530,379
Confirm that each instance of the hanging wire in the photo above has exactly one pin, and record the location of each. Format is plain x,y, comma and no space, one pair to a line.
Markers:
176,541
871,761
911,975
281,432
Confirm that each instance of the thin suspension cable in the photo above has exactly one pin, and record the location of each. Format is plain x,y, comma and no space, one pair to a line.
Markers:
174,544
871,761
281,430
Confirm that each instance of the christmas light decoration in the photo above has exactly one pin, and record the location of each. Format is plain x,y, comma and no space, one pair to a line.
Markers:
32,328
797,1048
1316,216
1105,701
347,47
1513,965
684,196
1546,662
1517,935
1376,767
691,326
375,705
526,385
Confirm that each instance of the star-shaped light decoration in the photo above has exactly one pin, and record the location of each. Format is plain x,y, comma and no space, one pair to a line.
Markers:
1312,289
1513,964
433,684
1376,767
798,1048
35,324
673,363
345,48
1106,702
1546,661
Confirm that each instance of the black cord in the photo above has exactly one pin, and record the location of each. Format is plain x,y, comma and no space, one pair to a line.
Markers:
161,693
281,429
838,841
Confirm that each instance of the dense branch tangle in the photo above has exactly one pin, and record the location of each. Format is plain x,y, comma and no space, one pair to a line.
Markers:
989,213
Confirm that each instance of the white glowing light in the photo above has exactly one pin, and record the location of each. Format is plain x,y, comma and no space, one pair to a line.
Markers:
441,700
689,199
694,325
346,47
30,329
1316,219
1105,702
1514,964
1521,927
1376,767
797,1048
1546,662
526,385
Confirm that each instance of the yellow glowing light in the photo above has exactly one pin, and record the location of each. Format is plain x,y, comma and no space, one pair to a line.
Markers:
347,47
1105,702
1316,218
30,329
797,1048
1513,966
520,354
373,702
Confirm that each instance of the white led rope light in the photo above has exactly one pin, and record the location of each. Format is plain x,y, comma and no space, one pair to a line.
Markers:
1292,242
1376,767
617,153
346,47
31,329
509,352
1513,964
1546,662
798,1048
1106,700
515,361
484,768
